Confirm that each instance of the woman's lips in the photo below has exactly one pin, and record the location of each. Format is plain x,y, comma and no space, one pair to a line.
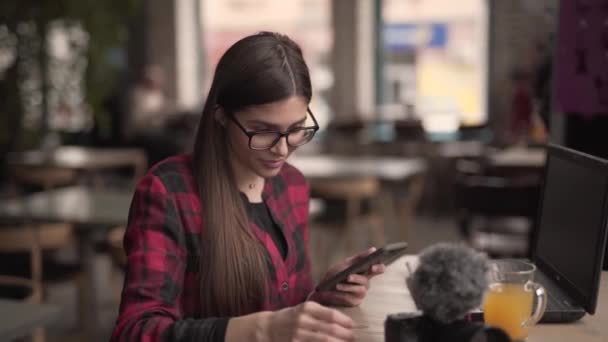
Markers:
273,164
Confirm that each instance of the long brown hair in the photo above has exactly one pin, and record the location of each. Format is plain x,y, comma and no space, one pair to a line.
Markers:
259,69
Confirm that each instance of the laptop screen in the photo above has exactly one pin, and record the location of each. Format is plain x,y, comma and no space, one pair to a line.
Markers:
571,233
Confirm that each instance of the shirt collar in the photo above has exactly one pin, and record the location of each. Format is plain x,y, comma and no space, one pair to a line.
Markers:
268,191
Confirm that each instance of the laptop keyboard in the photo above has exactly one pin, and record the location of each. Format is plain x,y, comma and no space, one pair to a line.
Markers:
556,301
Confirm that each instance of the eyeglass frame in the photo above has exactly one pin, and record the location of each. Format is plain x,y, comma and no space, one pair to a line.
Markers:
251,134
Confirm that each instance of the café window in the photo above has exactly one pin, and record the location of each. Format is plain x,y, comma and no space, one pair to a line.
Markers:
435,61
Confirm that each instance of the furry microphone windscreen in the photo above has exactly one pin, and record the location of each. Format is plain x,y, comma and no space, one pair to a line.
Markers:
450,281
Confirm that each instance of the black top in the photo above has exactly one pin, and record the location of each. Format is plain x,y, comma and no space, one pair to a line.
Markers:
260,214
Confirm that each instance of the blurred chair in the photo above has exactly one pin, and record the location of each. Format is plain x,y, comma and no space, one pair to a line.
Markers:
27,273
119,258
410,130
28,245
345,137
407,202
115,239
346,127
44,177
354,193
26,290
496,213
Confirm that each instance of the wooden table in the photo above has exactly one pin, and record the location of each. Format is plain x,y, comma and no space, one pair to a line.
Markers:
389,294
82,159
19,319
92,212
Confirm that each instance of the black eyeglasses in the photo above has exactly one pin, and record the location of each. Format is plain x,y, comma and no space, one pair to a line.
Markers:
265,140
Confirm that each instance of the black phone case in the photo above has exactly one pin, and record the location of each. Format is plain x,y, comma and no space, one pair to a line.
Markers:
385,255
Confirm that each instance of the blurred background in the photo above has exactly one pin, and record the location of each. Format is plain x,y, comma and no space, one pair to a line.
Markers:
433,116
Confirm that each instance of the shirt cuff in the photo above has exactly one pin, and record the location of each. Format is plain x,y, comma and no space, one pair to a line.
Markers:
198,330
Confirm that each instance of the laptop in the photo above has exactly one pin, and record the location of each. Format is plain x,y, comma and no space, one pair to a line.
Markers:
570,236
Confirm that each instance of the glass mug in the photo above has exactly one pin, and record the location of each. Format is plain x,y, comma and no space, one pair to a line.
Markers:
511,296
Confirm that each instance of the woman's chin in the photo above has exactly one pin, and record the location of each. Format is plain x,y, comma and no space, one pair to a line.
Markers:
268,172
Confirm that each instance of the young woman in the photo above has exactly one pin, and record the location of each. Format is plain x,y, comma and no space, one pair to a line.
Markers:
217,241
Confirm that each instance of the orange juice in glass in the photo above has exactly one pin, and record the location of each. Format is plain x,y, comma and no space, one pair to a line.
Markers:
511,296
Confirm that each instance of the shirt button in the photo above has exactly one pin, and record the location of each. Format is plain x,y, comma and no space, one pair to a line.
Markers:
284,286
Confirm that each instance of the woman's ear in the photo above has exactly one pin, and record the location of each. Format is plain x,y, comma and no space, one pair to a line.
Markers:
220,116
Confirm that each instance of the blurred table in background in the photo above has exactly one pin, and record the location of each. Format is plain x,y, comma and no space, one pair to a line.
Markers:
78,205
92,212
82,159
388,294
20,319
402,181
496,199
519,157
332,166
460,149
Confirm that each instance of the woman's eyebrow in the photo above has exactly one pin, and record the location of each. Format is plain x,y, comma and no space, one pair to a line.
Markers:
271,125
301,121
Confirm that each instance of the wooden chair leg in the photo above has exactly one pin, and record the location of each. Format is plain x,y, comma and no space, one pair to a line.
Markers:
382,215
116,284
321,239
39,335
407,208
353,208
376,231
81,301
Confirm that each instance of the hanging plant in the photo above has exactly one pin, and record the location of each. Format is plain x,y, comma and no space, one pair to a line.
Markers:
55,65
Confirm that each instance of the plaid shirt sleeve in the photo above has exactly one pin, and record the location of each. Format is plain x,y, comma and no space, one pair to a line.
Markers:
154,279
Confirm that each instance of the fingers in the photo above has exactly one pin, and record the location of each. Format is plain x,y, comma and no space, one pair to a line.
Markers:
319,323
357,279
355,290
345,299
312,336
376,270
317,330
339,298
327,315
357,285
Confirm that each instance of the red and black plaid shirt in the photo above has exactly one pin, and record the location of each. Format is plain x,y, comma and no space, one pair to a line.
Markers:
160,298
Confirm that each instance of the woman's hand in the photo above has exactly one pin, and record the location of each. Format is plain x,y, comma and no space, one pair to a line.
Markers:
353,291
308,321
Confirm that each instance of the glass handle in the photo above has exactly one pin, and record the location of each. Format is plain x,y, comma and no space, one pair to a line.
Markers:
541,304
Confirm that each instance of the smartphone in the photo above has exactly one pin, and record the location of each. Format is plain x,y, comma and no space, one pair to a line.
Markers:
385,255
